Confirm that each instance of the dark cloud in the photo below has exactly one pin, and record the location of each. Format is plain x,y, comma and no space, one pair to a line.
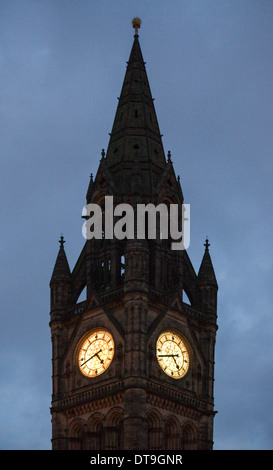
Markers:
210,70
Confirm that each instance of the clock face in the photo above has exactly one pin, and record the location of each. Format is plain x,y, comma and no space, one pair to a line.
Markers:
96,352
172,354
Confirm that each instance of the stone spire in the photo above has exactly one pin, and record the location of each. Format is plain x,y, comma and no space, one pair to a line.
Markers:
135,138
206,272
61,281
61,269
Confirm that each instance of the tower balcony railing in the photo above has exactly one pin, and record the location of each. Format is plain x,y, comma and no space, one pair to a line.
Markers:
77,309
192,312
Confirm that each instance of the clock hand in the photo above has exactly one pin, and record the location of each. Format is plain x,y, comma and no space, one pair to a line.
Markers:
101,360
168,355
89,359
177,366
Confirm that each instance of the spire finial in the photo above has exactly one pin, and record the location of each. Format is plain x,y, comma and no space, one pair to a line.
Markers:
207,244
62,241
136,22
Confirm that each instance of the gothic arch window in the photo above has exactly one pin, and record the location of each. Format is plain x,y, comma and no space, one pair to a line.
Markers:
94,438
122,267
155,430
172,434
113,429
105,271
76,435
189,437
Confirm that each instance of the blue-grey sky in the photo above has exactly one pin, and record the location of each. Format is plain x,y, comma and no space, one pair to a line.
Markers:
210,68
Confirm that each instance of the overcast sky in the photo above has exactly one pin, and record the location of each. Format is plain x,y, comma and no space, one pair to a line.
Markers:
210,68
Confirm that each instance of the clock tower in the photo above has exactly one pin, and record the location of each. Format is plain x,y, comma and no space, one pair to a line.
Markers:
133,363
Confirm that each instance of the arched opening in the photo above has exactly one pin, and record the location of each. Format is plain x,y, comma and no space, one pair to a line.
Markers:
172,434
185,298
94,439
76,435
83,295
122,267
155,430
113,430
188,438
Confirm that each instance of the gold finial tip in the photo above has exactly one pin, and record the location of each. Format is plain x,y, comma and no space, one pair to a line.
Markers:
136,22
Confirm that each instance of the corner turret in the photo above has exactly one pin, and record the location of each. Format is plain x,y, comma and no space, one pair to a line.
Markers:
61,281
207,284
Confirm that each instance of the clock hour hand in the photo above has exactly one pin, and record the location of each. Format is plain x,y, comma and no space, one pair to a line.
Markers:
177,366
89,359
101,360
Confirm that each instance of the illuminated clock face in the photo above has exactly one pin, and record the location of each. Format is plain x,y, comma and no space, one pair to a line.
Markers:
172,354
96,353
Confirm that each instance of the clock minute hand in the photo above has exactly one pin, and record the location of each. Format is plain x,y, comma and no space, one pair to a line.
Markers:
168,355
